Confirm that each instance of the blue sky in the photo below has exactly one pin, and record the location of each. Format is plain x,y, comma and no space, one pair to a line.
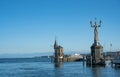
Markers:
30,26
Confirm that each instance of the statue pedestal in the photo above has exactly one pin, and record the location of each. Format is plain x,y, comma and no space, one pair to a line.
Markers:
97,54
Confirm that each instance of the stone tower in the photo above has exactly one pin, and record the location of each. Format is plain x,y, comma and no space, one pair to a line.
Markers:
96,48
58,55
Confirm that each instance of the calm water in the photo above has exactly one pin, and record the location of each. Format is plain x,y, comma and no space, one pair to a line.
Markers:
41,67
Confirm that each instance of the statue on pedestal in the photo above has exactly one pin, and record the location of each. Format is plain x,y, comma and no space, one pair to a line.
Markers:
96,57
95,26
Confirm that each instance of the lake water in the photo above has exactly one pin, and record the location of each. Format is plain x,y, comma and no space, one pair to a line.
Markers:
41,67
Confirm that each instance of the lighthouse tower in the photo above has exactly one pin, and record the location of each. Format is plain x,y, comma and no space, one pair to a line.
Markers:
58,55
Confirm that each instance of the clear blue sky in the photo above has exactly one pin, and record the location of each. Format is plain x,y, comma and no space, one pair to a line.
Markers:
30,26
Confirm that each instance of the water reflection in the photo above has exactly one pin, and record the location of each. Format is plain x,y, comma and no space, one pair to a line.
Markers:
58,64
58,72
96,72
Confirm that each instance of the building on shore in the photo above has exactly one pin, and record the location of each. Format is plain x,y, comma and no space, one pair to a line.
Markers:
111,55
73,58
115,60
